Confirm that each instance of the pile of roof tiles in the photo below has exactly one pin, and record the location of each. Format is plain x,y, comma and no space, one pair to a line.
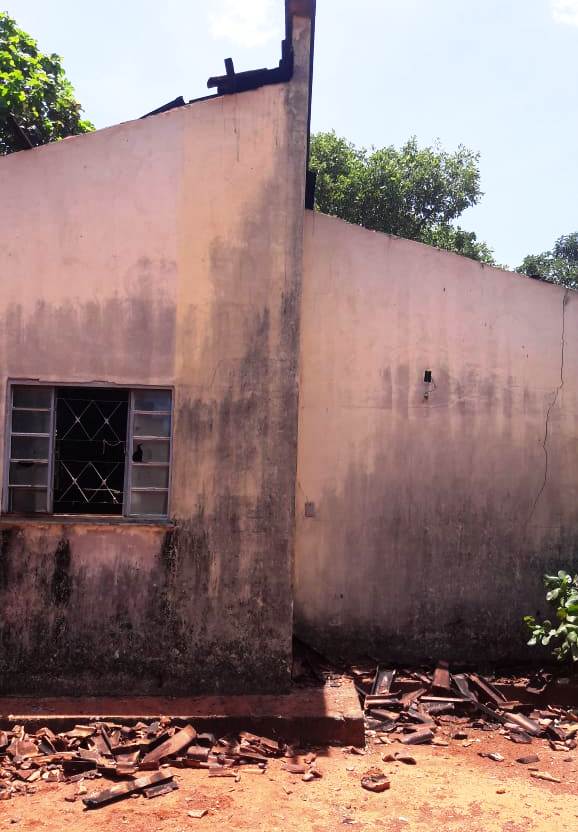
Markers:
126,754
417,706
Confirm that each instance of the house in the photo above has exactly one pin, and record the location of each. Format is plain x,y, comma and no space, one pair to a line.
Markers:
226,417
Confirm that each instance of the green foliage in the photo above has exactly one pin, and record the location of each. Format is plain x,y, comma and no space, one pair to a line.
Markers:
563,595
461,242
558,266
413,192
35,91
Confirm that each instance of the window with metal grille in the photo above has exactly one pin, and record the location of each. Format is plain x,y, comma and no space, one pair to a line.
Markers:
88,450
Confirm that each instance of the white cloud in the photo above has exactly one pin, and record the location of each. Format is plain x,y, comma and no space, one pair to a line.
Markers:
244,22
565,11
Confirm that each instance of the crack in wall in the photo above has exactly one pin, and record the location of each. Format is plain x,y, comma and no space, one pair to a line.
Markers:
551,406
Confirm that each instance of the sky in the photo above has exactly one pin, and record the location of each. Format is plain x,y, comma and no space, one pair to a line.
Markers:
499,76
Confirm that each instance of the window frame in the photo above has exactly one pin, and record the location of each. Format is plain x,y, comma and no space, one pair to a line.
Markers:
10,433
129,489
127,515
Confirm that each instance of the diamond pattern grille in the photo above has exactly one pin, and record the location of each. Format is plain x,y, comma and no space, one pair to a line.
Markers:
90,448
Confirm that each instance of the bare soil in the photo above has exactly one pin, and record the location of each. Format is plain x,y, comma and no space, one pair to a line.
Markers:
450,788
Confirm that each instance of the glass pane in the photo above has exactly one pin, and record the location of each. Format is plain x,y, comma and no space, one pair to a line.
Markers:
152,400
29,447
27,421
28,499
31,397
149,502
150,476
144,450
28,473
151,425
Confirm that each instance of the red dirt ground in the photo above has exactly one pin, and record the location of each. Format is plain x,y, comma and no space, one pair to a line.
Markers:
450,788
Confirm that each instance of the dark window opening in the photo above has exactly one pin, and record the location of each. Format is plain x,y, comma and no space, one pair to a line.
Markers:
90,450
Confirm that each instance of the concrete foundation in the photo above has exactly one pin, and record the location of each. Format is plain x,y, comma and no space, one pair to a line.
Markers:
309,716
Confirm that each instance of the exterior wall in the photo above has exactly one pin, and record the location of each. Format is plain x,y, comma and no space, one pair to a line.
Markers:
166,251
434,519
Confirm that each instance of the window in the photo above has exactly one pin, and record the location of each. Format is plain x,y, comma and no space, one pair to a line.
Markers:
89,450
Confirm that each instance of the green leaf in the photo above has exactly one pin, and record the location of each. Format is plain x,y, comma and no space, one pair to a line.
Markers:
35,90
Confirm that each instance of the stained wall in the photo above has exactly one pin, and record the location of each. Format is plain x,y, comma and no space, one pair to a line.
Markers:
428,513
165,251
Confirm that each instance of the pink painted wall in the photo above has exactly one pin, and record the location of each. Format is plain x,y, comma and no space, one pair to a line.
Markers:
164,251
436,517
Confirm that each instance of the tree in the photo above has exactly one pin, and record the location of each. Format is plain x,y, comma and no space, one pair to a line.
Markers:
454,238
560,265
413,192
37,102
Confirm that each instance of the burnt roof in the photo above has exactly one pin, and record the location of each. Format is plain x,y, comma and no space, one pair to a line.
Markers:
234,82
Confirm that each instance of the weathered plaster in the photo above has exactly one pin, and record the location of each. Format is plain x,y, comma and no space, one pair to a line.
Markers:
165,251
435,518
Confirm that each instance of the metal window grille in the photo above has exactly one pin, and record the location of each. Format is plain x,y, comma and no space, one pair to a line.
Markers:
88,451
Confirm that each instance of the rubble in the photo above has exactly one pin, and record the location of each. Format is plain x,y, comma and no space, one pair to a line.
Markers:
421,708
95,799
307,768
123,753
414,708
374,780
170,748
418,737
399,758
544,775
492,755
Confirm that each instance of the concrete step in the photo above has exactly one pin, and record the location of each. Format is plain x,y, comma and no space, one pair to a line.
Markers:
328,715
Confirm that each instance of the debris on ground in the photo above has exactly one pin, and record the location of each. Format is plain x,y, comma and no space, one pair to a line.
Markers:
418,737
399,758
492,755
139,784
544,775
374,780
423,708
125,753
411,708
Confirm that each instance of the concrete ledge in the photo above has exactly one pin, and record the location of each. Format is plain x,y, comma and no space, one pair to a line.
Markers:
309,716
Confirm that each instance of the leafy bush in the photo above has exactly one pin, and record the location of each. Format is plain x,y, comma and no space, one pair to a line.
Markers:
563,595
35,94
